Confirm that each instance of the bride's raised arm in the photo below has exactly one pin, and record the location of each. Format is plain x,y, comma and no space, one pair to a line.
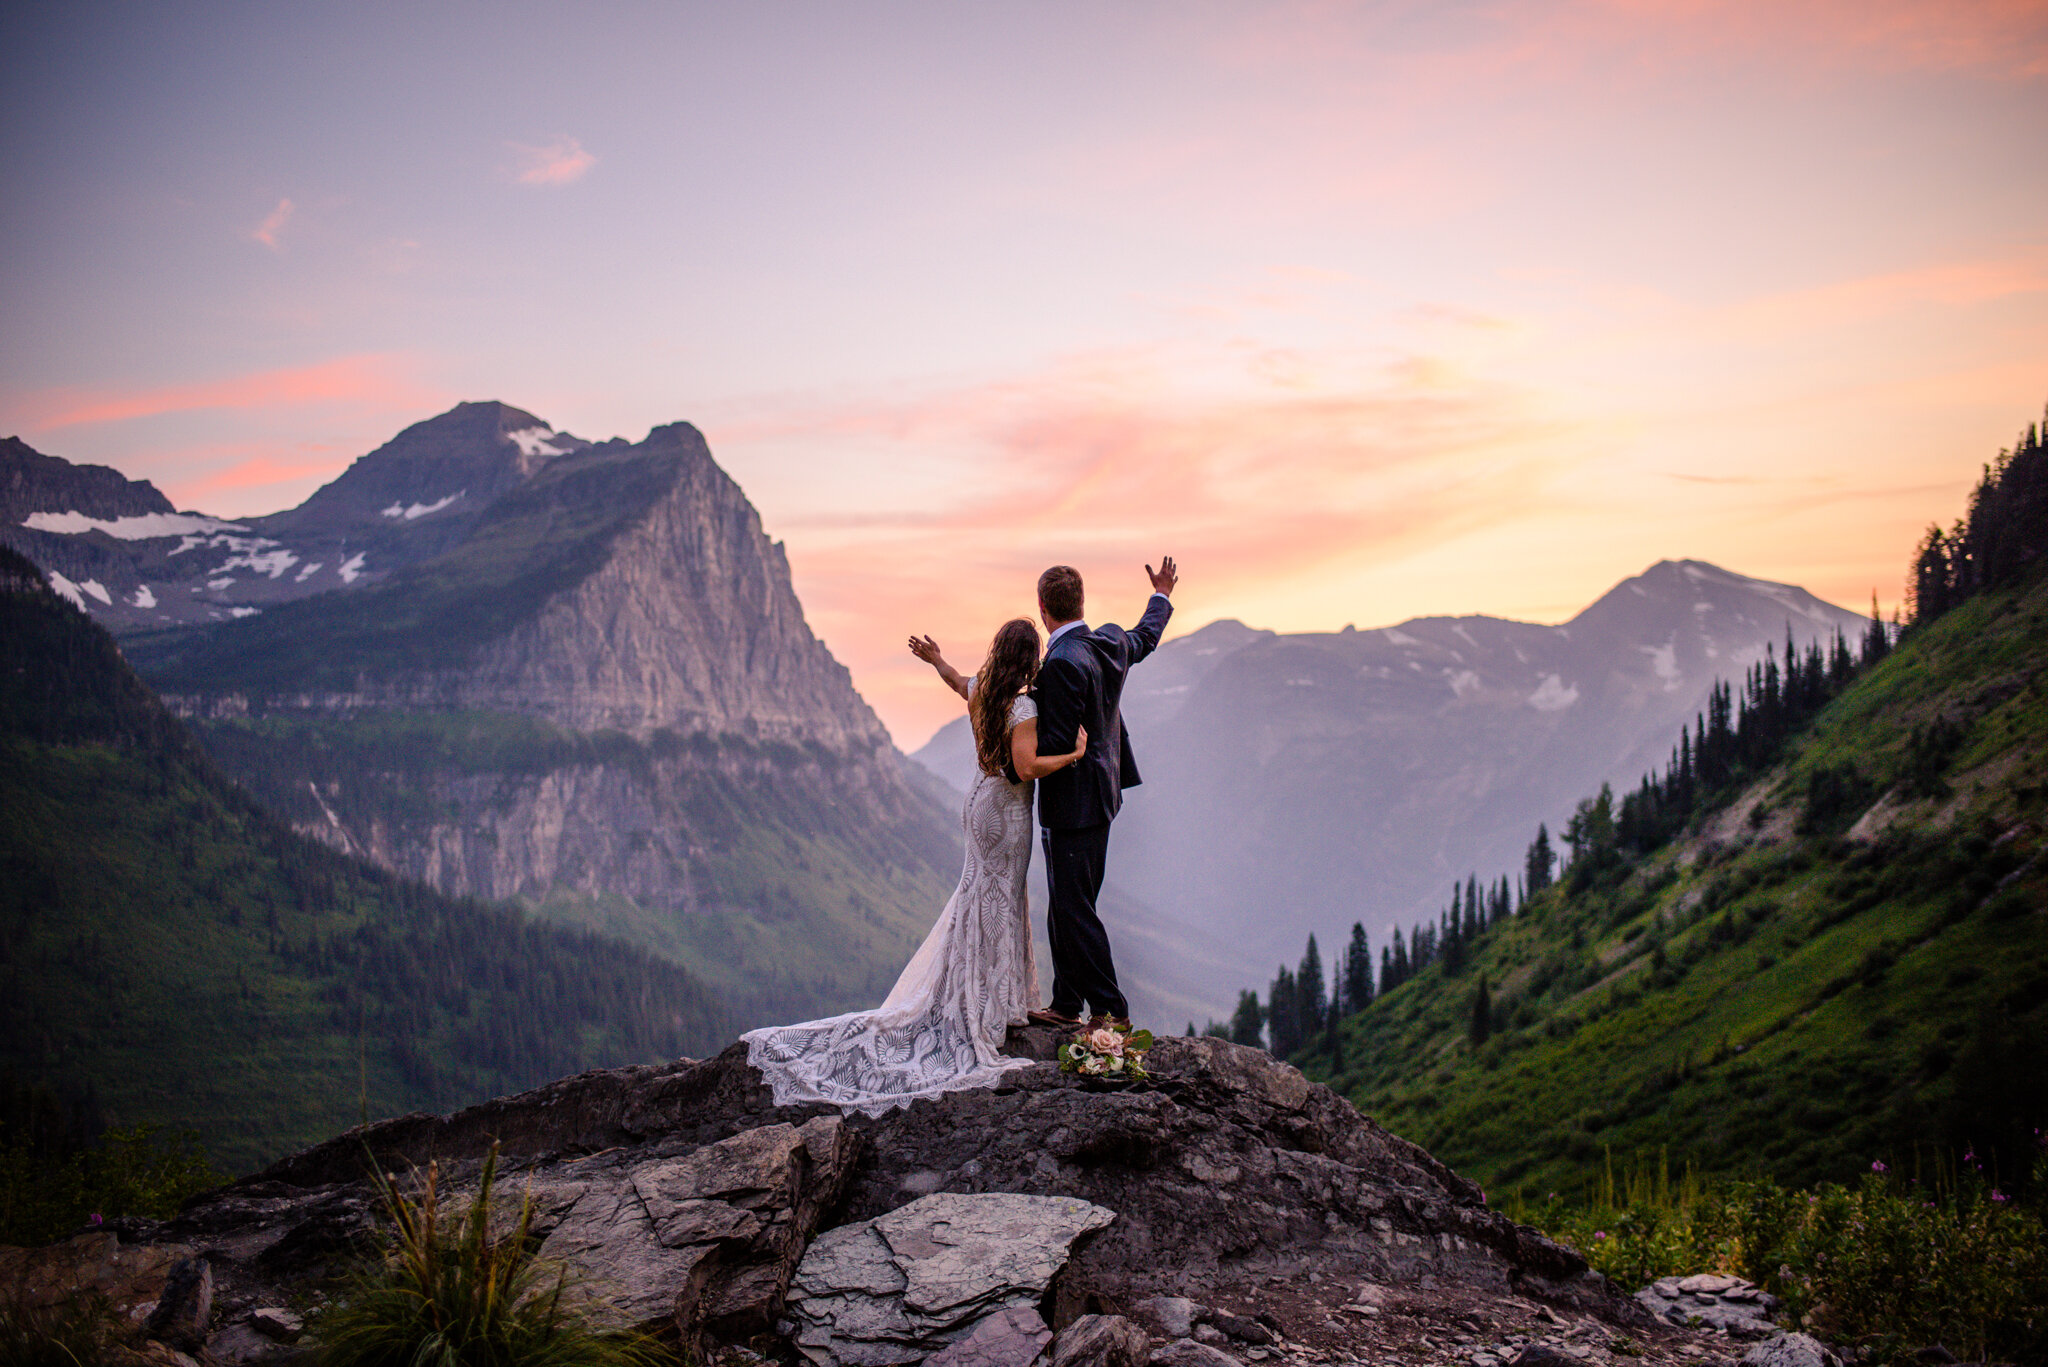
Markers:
926,649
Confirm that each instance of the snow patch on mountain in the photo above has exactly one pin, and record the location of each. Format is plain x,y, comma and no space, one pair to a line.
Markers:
1552,695
66,589
1465,681
273,563
419,510
140,527
98,590
144,598
307,572
1664,660
351,568
533,441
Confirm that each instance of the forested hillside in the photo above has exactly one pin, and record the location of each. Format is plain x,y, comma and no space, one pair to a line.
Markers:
171,953
1817,939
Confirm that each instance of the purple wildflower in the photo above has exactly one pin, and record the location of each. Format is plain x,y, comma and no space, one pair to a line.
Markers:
1878,1166
1998,1195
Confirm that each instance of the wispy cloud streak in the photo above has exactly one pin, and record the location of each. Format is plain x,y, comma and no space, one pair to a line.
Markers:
270,232
560,161
380,380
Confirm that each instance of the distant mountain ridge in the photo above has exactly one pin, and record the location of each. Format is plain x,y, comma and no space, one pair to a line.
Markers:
1294,779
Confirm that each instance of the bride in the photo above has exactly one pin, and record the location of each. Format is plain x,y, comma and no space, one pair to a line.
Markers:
943,1024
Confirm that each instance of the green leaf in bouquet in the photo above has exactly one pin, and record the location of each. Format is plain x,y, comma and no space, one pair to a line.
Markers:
1140,1040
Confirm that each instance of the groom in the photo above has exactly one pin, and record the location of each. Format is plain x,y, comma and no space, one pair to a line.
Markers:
1080,685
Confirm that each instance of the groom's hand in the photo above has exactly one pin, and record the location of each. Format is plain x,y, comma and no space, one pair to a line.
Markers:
1164,578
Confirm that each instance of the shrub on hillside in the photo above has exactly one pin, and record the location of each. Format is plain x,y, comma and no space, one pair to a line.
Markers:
1886,1265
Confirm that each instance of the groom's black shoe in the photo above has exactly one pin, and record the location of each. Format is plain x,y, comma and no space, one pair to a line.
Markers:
1048,1016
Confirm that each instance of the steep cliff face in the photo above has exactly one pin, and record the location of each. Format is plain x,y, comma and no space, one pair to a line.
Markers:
690,623
602,699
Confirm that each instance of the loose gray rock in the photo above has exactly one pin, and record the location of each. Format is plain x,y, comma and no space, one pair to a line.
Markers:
1541,1355
1188,1353
1170,1317
276,1322
184,1313
1101,1341
1791,1350
897,1288
1008,1338
1712,1301
1245,1330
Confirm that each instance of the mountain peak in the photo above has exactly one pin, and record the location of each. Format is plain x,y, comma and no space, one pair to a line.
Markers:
454,462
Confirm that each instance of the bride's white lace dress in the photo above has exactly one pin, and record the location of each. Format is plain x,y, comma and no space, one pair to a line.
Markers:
942,1025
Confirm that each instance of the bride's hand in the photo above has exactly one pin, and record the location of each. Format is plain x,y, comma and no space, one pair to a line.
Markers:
1080,744
926,649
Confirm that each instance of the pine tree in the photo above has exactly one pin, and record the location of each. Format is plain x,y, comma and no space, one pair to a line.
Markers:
1312,1003
1248,1023
1481,1024
1540,863
1358,971
1283,1024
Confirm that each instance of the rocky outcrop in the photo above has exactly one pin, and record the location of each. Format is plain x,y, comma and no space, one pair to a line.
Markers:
1228,1212
686,1197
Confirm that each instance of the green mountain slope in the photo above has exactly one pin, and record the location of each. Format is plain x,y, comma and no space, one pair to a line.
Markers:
179,956
1805,982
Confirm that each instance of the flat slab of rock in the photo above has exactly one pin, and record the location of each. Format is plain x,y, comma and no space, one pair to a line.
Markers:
897,1288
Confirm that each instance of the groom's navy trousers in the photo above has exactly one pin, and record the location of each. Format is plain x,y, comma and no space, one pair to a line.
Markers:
1081,684
1082,969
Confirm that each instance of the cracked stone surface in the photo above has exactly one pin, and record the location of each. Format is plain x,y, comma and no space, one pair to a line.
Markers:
898,1287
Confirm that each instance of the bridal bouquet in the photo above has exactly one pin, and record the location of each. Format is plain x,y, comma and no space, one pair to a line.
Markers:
1106,1053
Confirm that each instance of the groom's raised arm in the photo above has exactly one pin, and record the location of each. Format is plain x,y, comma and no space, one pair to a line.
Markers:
1144,637
1059,706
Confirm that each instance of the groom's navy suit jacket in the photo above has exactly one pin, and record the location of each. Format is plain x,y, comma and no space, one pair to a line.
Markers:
1081,683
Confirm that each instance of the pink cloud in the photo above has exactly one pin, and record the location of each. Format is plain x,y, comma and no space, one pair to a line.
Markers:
379,380
254,476
1953,284
1548,41
557,162
271,230
1099,467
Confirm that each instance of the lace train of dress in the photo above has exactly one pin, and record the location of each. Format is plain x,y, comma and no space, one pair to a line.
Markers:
942,1026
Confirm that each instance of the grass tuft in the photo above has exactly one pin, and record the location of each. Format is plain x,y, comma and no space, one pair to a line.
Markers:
449,1291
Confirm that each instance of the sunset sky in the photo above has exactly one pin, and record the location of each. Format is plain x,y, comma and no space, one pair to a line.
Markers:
1361,311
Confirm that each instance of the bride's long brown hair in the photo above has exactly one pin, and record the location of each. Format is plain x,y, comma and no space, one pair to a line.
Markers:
1011,665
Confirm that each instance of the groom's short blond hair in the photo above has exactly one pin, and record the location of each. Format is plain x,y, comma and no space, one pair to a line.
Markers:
1059,593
